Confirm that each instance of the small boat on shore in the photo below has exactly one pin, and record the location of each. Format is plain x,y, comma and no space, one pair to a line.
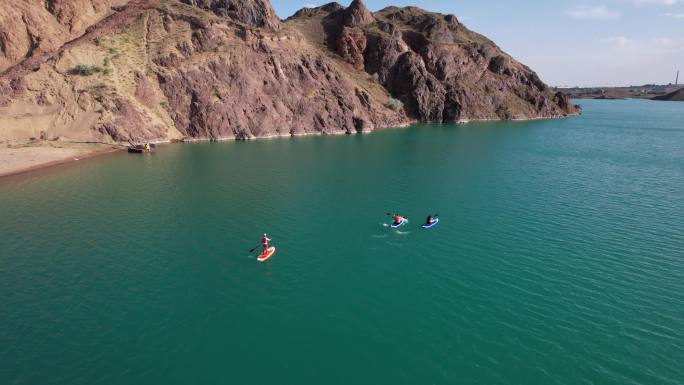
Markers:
142,148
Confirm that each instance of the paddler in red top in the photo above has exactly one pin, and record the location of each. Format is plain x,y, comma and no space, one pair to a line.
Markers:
397,219
264,242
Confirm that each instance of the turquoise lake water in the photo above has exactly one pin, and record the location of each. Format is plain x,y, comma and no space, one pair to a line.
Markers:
559,258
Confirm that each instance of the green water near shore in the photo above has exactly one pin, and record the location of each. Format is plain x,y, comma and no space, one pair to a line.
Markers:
559,258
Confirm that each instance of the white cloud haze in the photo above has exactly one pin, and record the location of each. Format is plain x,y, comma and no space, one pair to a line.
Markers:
657,2
617,40
600,12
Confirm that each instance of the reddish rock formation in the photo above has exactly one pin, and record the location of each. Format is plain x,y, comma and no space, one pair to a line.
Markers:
168,69
283,93
421,92
357,15
470,79
564,103
258,13
351,45
316,11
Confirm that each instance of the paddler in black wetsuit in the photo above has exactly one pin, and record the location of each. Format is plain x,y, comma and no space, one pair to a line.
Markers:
430,220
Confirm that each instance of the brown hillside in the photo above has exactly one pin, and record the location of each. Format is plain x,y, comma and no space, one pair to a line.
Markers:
170,69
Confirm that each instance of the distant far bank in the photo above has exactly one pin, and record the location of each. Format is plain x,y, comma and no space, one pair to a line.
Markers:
648,91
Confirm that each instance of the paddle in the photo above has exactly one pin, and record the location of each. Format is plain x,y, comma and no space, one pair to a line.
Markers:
251,251
396,214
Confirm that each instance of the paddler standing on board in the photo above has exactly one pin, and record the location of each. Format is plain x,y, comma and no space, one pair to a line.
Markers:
264,242
268,250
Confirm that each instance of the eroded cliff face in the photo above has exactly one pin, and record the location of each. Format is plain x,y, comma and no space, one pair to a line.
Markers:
169,69
258,13
29,27
440,70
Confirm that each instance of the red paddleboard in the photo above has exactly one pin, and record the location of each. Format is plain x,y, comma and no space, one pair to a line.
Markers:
268,253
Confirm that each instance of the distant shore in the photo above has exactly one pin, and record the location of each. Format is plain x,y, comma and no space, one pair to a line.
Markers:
21,158
649,91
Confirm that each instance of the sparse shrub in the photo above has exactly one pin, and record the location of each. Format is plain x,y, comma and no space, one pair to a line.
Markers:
86,70
106,71
394,104
106,62
112,51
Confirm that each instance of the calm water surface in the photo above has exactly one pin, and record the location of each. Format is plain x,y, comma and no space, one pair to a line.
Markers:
559,259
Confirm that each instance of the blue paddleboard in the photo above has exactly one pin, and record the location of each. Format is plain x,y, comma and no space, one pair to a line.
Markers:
433,224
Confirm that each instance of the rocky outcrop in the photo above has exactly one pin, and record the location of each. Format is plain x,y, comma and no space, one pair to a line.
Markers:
565,104
383,50
284,92
349,41
453,74
119,70
351,45
357,15
316,11
421,92
258,13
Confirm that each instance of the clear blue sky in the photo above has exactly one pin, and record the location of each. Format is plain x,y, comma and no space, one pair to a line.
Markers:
575,42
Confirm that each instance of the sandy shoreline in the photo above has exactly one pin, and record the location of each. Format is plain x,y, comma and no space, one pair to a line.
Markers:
20,159
28,157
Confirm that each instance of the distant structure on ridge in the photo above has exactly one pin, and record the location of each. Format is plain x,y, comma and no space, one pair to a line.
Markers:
677,79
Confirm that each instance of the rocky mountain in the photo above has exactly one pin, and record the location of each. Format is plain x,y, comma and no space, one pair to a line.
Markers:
120,70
